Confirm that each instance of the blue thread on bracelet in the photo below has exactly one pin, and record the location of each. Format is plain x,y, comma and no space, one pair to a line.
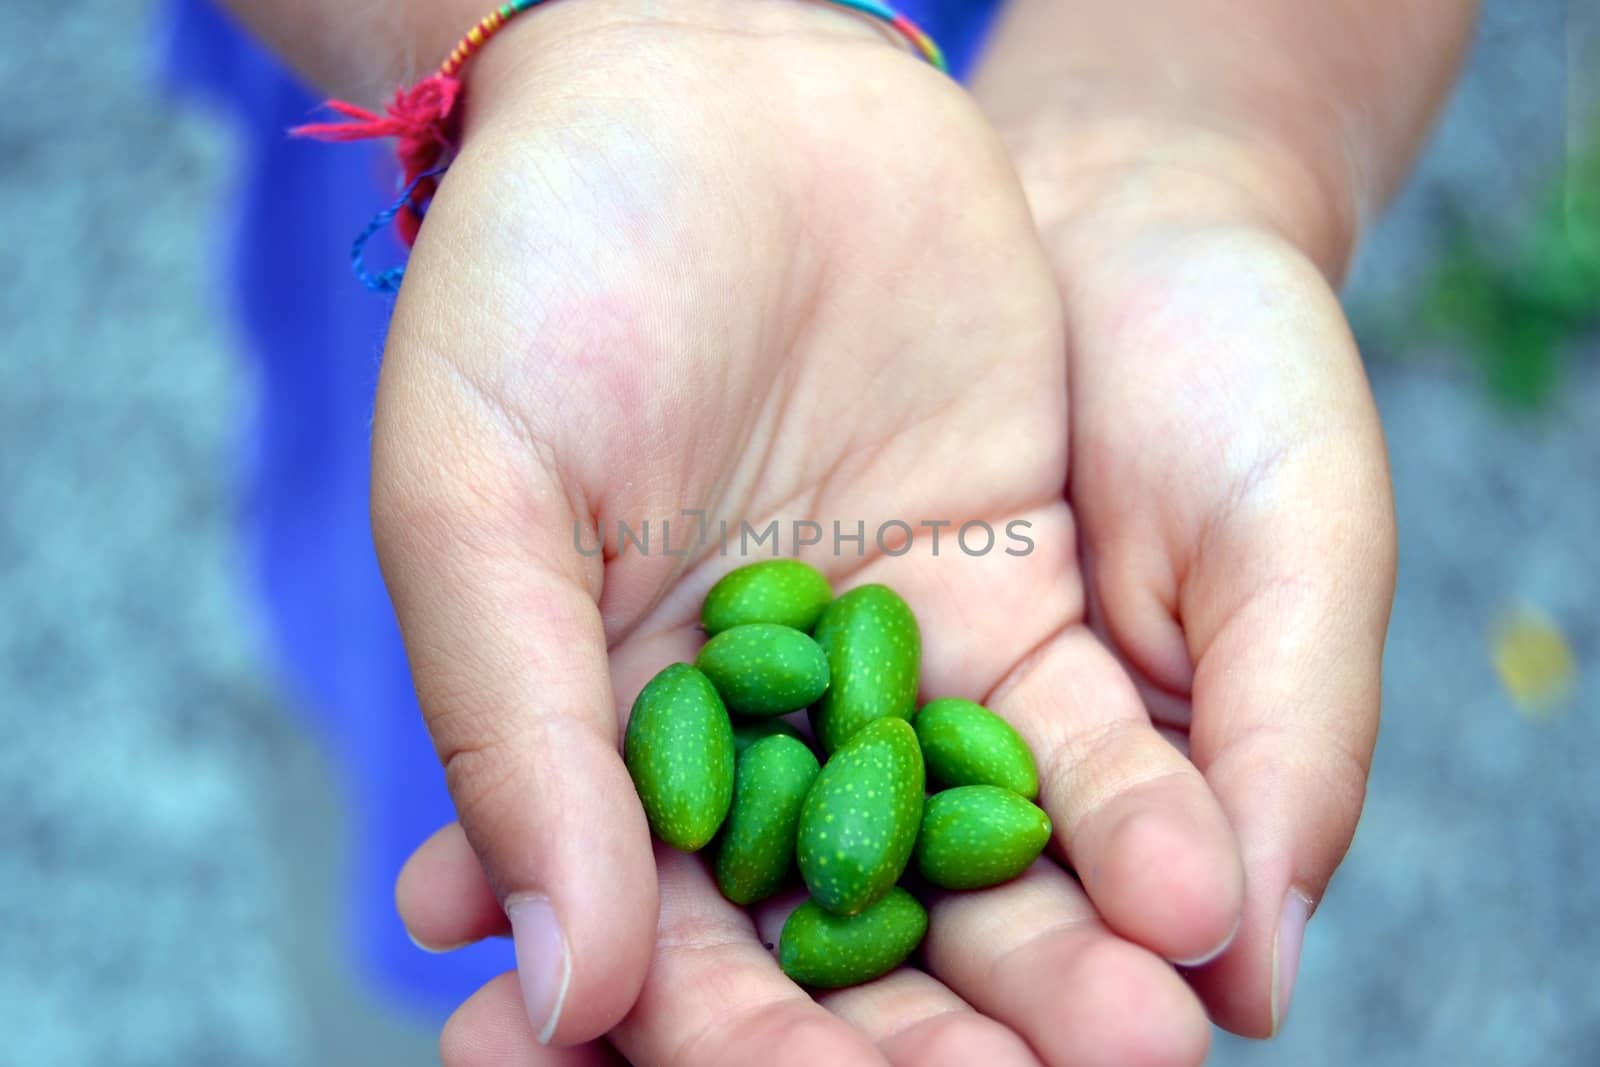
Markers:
386,281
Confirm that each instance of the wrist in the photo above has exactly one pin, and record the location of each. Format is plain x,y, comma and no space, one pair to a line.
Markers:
558,21
1104,175
575,48
363,52
586,27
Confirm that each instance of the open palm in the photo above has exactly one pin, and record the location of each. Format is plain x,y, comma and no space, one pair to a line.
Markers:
822,298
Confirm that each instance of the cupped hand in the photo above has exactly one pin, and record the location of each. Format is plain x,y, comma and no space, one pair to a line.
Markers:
1229,476
772,268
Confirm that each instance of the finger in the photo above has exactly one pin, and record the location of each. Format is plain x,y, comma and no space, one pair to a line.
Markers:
1287,614
1136,819
508,653
443,897
442,894
714,994
1033,955
1038,938
1246,559
445,901
1268,566
917,1021
492,1030
913,1018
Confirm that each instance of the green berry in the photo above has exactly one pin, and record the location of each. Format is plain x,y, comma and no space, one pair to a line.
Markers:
747,732
829,951
679,750
967,744
874,653
769,788
860,820
782,591
979,835
764,668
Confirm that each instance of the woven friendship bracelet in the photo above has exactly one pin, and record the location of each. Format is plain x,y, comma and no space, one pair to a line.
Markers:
425,121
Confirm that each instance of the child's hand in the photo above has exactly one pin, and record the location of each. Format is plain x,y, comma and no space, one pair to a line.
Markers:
779,272
787,273
1229,477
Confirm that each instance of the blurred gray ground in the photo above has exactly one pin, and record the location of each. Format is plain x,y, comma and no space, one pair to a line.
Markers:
167,856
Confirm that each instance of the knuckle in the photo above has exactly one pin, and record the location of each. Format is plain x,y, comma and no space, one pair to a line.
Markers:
478,776
494,762
1099,764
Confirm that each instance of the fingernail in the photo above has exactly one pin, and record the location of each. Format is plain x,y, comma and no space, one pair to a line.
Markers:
544,969
1208,957
1286,952
435,950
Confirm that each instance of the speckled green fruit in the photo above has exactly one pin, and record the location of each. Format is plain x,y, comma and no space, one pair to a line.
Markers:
979,835
679,750
874,652
764,668
826,951
782,591
860,820
967,744
769,788
747,732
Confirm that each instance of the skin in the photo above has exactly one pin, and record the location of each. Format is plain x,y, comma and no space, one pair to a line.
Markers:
1102,304
1243,579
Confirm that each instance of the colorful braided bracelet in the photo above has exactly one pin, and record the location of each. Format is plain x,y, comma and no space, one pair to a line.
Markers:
424,120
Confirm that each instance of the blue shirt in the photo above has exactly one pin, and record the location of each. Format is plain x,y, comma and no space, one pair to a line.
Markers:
312,338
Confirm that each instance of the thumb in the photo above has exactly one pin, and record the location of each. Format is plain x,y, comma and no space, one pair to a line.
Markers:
1286,613
499,612
1238,508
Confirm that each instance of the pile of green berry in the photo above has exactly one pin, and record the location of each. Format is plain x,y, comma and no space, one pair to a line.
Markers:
713,761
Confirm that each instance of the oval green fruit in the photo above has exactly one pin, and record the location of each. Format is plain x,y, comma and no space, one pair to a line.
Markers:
826,951
764,668
782,591
874,651
769,788
979,835
860,820
747,732
679,750
967,744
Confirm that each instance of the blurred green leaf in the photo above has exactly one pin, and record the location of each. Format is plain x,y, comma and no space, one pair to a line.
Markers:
1518,311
